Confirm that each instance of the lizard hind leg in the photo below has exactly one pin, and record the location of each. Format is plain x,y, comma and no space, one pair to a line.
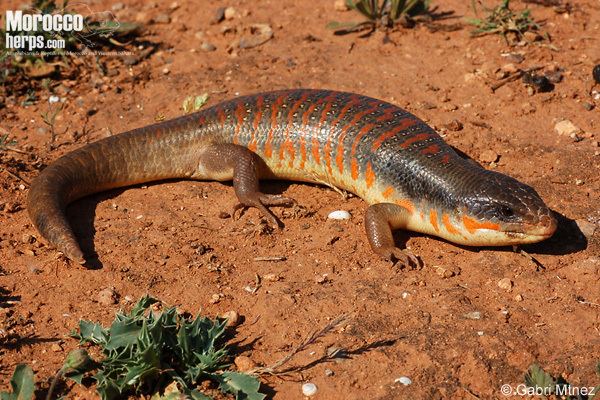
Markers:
379,220
226,161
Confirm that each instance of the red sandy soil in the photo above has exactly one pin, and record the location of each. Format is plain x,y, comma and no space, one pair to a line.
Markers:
418,323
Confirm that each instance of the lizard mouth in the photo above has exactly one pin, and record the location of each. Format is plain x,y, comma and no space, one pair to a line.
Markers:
532,233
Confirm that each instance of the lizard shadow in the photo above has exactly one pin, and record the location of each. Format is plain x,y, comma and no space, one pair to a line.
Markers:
81,214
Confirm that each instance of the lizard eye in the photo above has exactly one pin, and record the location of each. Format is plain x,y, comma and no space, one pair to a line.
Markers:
506,212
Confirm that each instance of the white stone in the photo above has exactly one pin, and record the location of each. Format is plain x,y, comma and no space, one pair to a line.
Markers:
405,380
339,214
309,389
566,128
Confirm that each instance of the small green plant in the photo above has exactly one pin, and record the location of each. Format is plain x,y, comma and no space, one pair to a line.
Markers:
503,21
22,384
146,350
381,14
6,143
545,383
77,363
194,103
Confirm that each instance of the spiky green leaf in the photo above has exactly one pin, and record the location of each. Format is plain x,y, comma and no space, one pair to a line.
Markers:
536,377
22,384
245,387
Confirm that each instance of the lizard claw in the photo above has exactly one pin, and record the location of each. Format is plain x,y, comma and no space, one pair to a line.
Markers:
401,258
262,201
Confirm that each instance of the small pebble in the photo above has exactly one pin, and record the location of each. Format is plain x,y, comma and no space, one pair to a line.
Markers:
224,215
229,13
454,125
208,47
53,99
309,389
244,363
505,283
232,317
166,71
339,214
56,348
588,106
586,227
27,238
566,128
329,372
528,108
554,76
596,73
473,315
271,277
443,272
218,16
514,57
509,68
161,19
405,380
107,297
488,156
518,297
532,36
340,5
215,298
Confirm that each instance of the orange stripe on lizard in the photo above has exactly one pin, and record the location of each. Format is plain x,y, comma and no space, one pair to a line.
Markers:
315,145
433,220
260,101
363,131
406,204
369,175
354,100
240,113
404,124
449,227
387,115
287,143
388,192
305,117
221,116
472,225
430,150
339,159
274,111
414,139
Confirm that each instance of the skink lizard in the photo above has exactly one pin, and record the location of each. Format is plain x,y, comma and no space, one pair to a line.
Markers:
400,166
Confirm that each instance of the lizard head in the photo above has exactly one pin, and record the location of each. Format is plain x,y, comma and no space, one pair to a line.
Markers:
499,210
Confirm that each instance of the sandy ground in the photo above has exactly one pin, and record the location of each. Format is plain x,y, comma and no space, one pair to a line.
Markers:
448,326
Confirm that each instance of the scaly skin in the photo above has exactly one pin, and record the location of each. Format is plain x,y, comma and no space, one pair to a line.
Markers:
411,178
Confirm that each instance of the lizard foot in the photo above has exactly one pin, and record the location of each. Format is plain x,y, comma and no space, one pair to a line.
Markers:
262,201
401,258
